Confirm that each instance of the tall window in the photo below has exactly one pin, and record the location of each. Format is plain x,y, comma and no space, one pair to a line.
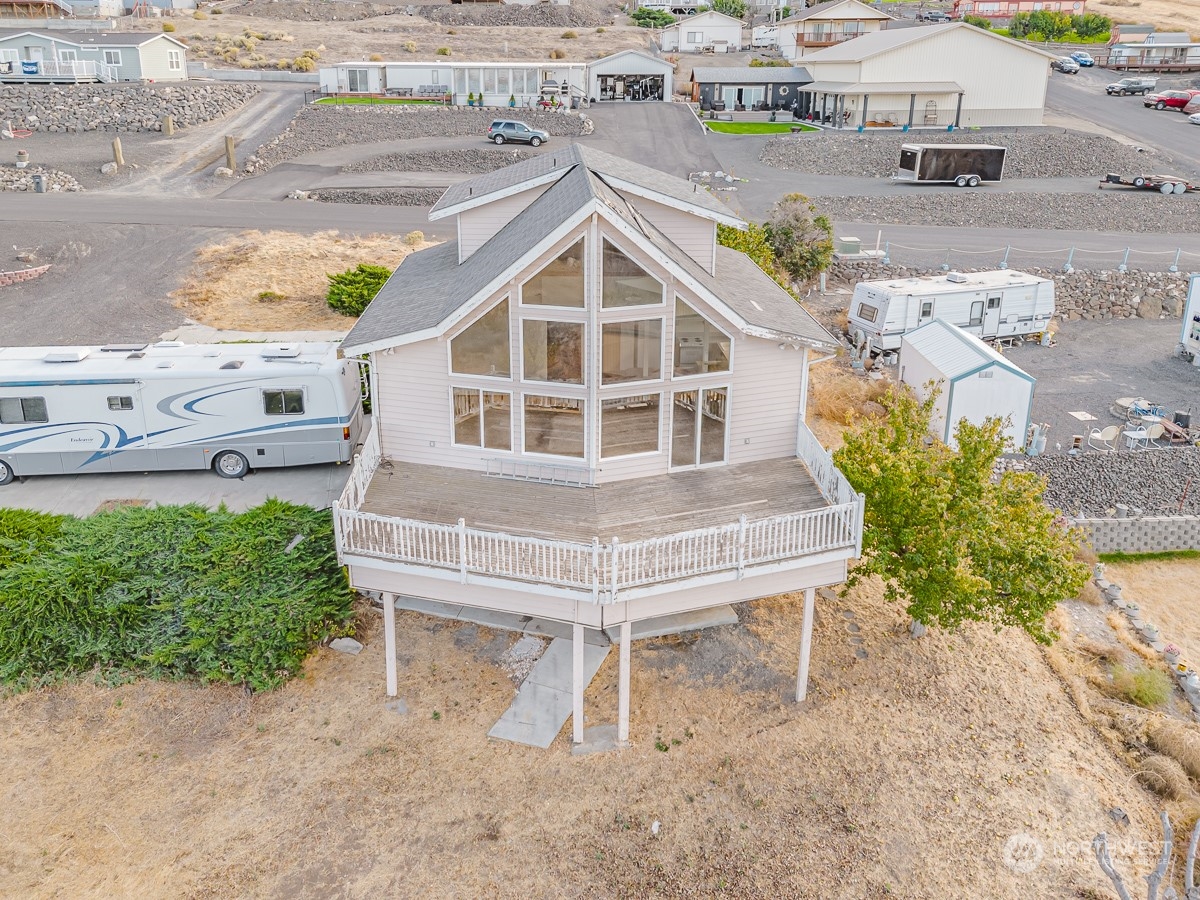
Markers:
699,345
629,425
483,419
632,351
698,427
356,81
560,283
483,349
625,283
554,425
174,60
553,351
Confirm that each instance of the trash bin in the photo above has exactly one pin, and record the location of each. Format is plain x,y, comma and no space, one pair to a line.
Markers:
39,184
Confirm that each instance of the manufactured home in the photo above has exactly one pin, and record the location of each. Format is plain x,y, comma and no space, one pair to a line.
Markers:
137,408
989,305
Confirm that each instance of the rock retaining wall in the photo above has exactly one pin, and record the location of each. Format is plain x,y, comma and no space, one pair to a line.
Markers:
1079,295
1145,534
117,107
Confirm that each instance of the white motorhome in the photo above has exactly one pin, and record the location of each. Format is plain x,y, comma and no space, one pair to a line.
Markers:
989,305
138,408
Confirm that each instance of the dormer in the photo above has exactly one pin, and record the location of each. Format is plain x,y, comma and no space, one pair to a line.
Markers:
684,212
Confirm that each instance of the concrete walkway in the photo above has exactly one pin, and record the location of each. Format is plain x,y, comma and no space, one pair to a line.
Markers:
543,703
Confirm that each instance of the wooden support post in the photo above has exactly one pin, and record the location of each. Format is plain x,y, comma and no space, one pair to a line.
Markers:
577,683
230,156
118,156
623,686
389,641
810,599
169,126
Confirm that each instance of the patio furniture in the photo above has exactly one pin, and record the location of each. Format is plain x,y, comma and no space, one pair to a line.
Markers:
1154,433
1105,436
1137,439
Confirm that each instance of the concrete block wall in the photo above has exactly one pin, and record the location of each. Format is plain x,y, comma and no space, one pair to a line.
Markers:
1145,534
7,278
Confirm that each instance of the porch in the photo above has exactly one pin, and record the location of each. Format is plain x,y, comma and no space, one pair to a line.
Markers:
51,71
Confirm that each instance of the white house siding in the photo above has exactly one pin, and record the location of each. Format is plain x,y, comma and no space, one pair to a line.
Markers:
836,71
707,28
477,226
971,60
765,402
155,64
630,63
694,235
1001,393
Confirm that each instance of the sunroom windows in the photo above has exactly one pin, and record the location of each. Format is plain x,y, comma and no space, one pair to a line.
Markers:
555,426
700,347
560,282
629,425
624,283
483,348
553,351
632,351
483,418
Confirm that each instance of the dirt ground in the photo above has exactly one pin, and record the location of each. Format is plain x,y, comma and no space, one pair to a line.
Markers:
1164,15
905,774
275,280
1165,591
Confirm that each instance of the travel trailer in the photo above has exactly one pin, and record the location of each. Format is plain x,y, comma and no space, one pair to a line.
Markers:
989,305
138,408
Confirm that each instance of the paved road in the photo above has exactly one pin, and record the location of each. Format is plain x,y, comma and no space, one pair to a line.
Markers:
1082,97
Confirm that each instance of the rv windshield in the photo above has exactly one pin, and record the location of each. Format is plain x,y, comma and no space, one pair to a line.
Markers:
908,160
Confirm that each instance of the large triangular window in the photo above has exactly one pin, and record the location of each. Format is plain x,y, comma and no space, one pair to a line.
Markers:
483,349
700,346
625,283
560,283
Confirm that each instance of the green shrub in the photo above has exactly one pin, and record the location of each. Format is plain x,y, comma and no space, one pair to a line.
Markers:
303,64
1144,686
199,15
169,591
601,30
978,22
217,11
168,27
310,54
375,57
351,291
442,51
651,18
413,238
411,47
569,35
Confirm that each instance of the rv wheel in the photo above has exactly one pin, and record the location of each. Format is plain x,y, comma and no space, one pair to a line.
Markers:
6,473
230,464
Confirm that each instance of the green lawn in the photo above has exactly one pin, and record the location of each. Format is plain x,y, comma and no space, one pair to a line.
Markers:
366,101
756,127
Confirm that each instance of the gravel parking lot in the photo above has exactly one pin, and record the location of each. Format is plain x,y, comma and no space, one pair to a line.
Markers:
1043,153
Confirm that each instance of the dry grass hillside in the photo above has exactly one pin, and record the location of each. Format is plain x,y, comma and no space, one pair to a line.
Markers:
1164,15
905,774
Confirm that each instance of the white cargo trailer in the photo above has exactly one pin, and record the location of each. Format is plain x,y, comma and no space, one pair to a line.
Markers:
989,305
140,408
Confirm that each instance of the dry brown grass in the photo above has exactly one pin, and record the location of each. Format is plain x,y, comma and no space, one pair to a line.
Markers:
1120,626
1165,15
839,394
1165,591
1178,740
275,280
1165,777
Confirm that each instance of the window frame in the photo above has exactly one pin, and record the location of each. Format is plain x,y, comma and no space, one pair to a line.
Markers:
481,446
600,307
601,384
580,239
283,400
580,323
107,57
657,451
510,377
121,406
583,459
701,390
975,316
863,305
723,375
175,60
25,420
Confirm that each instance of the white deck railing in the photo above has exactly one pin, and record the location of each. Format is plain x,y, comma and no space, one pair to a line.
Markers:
62,70
606,571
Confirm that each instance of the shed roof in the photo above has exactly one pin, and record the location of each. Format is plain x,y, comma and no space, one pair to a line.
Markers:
863,11
642,58
750,75
729,20
954,352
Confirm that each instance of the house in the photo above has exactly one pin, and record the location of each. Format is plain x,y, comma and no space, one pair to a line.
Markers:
929,75
630,75
588,411
975,382
490,83
749,87
1003,10
32,56
826,24
1155,52
709,30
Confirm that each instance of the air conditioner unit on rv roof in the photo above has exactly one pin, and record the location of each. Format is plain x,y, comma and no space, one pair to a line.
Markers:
956,277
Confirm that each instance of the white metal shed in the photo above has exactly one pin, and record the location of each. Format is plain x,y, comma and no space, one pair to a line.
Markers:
976,381
630,75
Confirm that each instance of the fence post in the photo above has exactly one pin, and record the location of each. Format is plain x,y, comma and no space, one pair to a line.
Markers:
887,253
1174,267
1124,266
1067,267
1004,262
462,550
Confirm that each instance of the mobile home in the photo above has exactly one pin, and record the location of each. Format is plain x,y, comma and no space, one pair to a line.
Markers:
989,305
137,408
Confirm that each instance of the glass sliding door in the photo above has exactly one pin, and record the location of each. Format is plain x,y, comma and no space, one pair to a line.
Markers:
698,420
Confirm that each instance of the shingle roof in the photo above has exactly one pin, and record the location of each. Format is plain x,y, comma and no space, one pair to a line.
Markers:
822,7
750,75
89,38
545,164
877,42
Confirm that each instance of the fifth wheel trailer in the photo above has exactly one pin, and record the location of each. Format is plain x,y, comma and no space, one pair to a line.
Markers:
989,305
964,165
138,408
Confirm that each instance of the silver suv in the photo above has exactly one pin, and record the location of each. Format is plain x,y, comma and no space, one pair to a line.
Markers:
503,130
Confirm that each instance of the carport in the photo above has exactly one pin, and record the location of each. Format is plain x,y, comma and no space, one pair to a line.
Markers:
900,104
630,75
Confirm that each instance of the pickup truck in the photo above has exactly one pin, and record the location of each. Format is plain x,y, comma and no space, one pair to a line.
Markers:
1131,86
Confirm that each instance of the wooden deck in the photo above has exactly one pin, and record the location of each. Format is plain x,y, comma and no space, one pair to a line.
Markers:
629,510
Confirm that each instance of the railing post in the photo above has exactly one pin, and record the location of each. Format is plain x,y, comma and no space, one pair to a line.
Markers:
337,533
462,550
595,569
612,588
741,549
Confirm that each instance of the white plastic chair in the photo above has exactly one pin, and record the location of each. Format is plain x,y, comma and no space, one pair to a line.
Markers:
1105,436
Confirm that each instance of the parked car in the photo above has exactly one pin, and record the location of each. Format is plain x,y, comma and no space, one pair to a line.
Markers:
934,15
503,130
1167,99
1131,86
1066,65
1083,58
1194,118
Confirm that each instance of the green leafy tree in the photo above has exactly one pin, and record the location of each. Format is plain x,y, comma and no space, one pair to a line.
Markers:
1091,25
1018,25
735,8
1051,25
978,22
801,238
351,291
950,542
651,18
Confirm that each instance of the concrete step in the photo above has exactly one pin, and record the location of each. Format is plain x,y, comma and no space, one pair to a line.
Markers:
543,703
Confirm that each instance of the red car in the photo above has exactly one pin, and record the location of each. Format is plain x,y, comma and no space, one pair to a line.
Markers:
1171,99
